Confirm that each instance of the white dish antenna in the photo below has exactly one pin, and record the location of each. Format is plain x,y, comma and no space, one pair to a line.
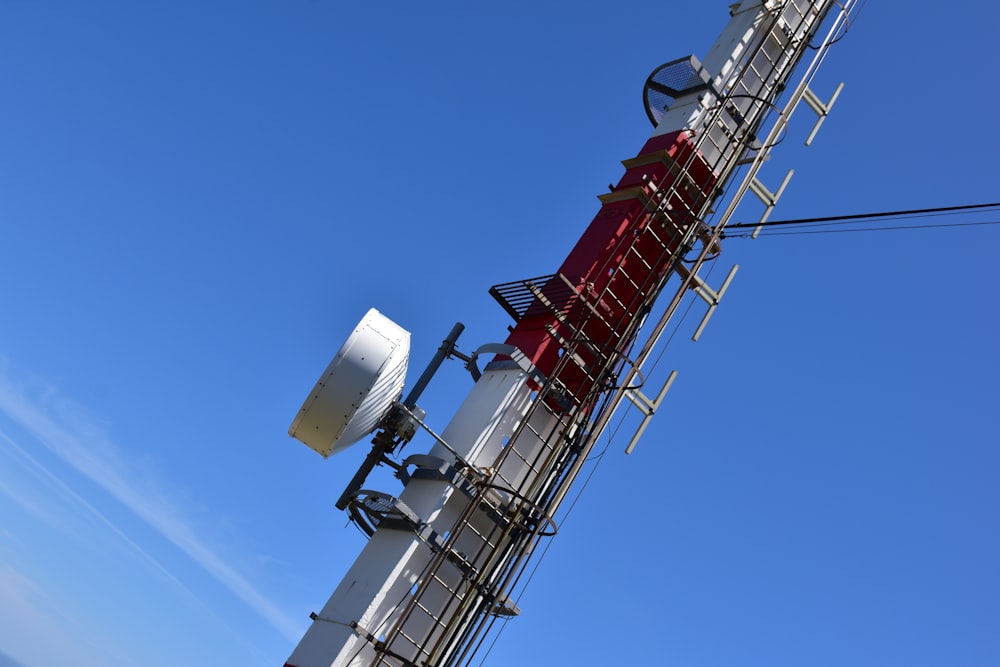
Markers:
357,389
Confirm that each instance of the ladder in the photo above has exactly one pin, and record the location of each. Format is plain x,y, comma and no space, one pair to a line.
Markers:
508,506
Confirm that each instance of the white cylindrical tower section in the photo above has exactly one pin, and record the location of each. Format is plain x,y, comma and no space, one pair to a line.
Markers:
377,587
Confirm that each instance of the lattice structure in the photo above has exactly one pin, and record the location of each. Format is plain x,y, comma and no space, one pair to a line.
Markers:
665,195
573,355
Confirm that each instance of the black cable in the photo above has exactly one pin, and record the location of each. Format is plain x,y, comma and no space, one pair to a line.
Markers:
596,459
871,229
862,216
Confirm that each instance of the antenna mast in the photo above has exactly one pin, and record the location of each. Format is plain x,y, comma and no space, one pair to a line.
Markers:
445,555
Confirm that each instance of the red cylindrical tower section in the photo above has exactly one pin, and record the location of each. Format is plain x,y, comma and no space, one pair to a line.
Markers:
589,306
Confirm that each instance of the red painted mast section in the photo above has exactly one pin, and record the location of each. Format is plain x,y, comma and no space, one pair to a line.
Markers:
447,555
625,250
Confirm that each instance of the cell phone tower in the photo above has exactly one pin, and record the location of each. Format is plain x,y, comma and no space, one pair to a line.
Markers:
446,554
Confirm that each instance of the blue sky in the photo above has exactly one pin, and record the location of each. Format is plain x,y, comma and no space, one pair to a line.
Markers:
200,200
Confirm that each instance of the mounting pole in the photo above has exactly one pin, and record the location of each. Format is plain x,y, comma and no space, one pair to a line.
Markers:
385,440
446,350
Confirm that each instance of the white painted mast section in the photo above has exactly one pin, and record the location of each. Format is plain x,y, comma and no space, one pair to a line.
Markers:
735,40
378,587
774,25
375,588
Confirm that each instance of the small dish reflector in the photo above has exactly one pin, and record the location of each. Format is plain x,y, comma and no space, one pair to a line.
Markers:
358,387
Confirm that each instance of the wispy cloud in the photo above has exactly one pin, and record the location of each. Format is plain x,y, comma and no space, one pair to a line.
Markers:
8,661
66,430
10,488
55,489
34,635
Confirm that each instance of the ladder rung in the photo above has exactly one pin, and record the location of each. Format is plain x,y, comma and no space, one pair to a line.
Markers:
430,614
444,584
417,645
